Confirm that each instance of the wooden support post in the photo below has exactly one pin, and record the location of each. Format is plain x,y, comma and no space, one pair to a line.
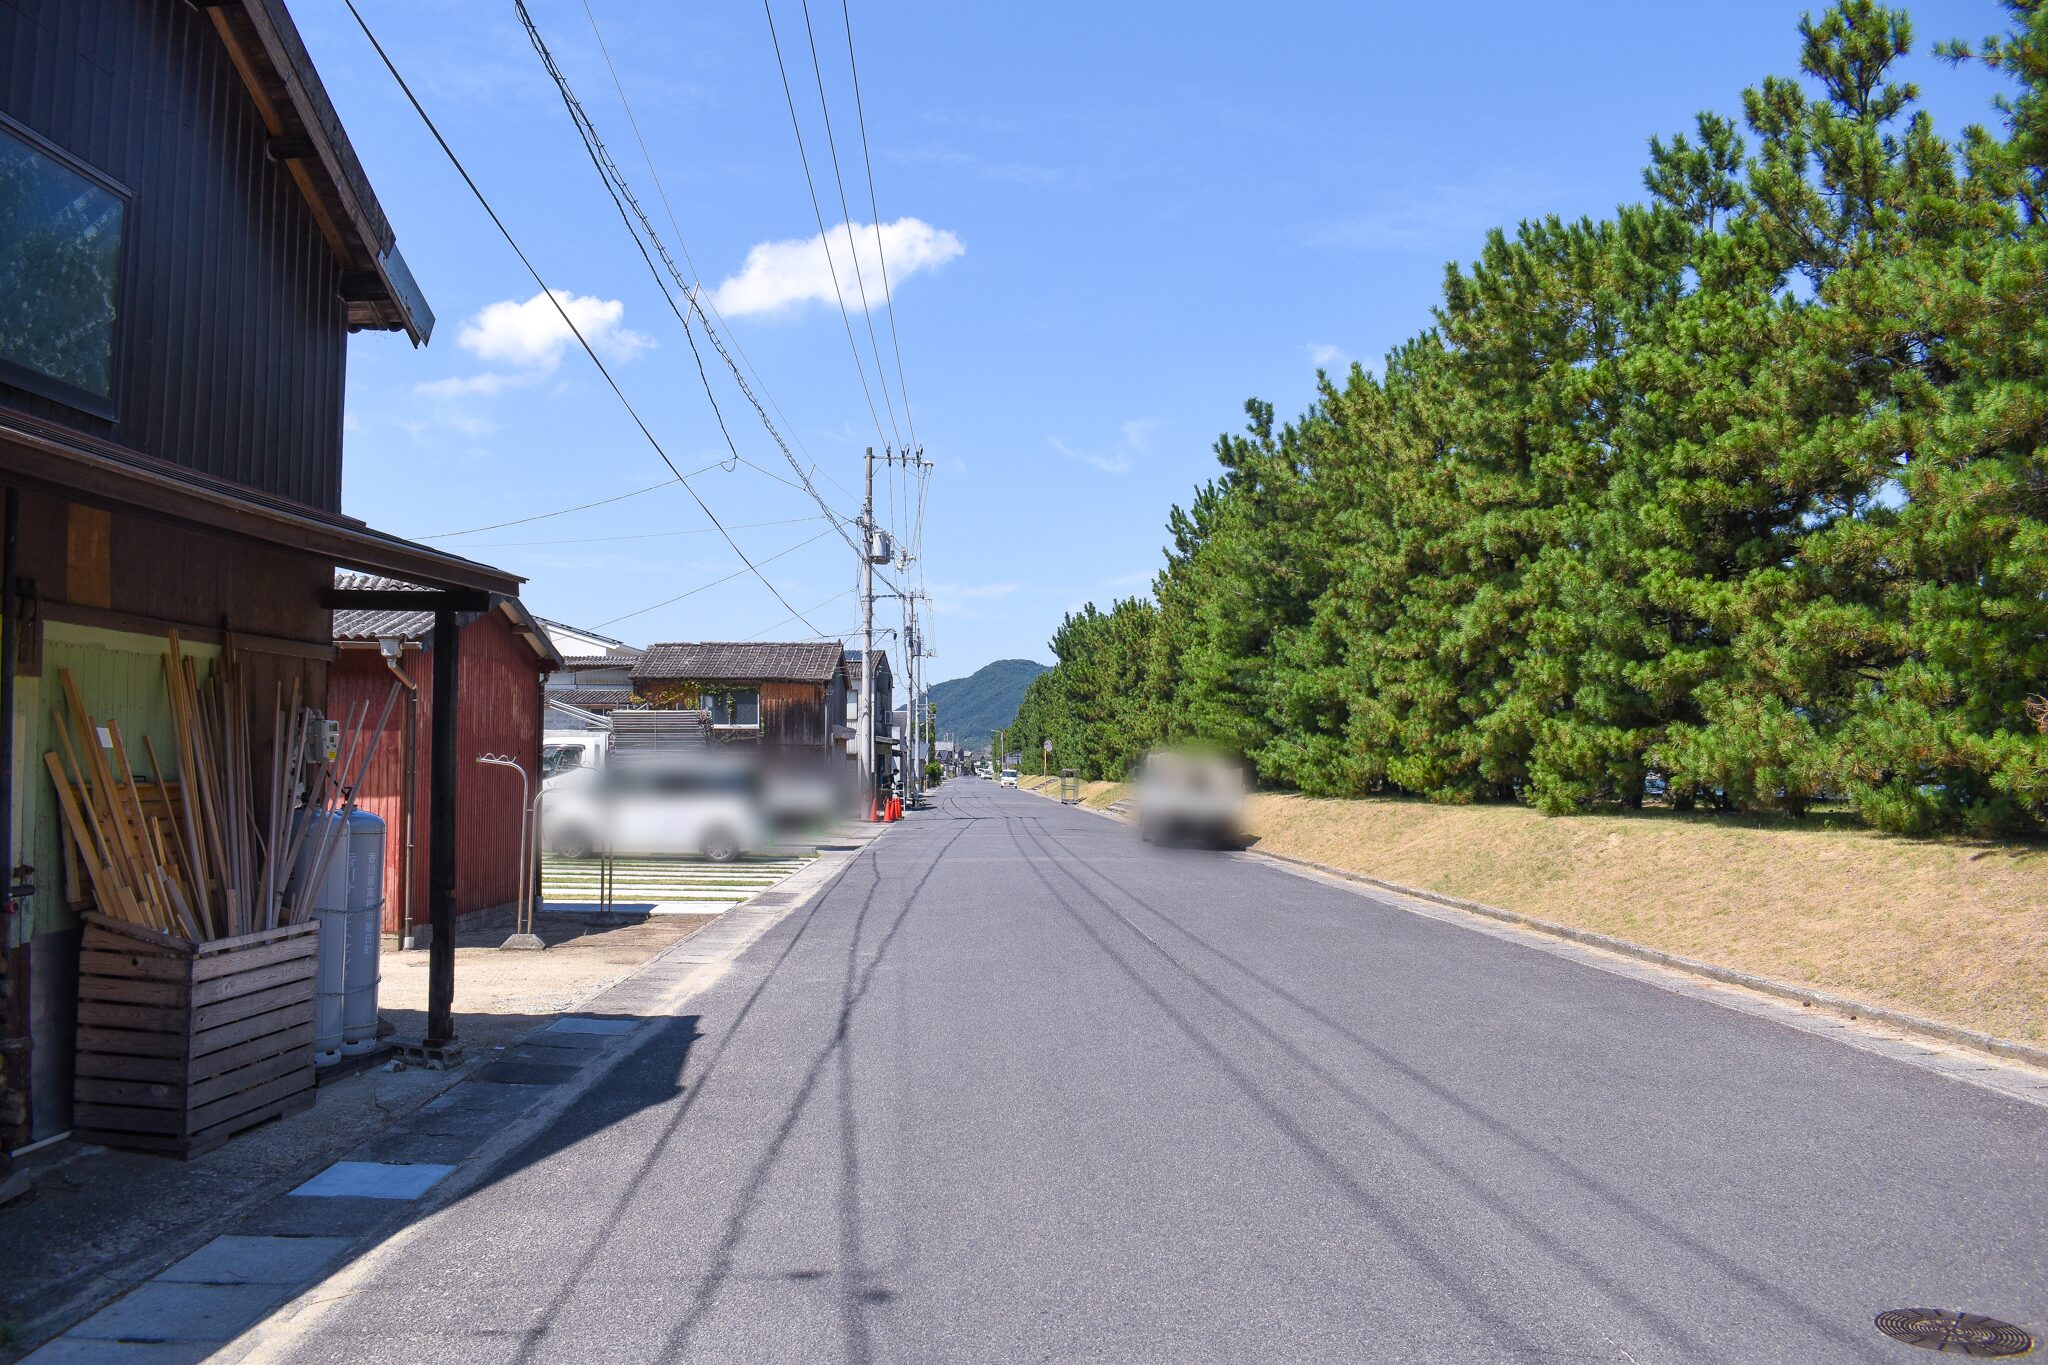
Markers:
441,831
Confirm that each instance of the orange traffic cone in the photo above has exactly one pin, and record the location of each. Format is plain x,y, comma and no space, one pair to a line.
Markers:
874,812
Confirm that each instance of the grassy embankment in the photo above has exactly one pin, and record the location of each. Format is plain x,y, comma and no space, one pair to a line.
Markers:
1950,929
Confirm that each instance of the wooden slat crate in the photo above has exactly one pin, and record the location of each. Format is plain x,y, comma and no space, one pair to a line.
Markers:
183,1045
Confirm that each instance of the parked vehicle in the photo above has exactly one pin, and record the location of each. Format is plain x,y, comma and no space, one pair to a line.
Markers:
562,751
1009,777
656,807
1190,797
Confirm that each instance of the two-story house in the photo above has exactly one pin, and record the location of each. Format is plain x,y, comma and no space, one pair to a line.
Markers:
787,700
187,239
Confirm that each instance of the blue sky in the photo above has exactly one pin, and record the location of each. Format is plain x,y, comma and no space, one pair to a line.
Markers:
1108,225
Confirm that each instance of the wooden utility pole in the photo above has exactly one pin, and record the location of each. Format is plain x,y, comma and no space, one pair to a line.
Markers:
870,537
441,830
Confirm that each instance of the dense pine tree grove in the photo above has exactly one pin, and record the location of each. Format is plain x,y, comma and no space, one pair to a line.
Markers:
1739,497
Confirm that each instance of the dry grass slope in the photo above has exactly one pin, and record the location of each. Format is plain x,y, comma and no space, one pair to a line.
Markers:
1952,930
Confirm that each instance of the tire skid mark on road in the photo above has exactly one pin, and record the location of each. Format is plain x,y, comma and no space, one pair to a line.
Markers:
853,1303
533,1337
1473,1188
1507,1333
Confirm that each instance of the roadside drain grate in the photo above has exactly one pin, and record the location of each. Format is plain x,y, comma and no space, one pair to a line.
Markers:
1963,1334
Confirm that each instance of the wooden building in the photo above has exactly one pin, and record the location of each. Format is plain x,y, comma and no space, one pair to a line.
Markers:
773,696
787,700
505,663
186,242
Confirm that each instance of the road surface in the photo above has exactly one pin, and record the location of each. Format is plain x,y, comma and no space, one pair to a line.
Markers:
1018,1087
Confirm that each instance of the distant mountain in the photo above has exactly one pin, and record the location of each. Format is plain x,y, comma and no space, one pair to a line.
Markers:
972,708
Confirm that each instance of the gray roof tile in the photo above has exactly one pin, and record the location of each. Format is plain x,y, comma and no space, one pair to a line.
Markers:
745,661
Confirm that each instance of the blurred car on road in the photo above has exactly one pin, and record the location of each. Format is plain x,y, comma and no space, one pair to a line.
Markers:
1190,797
660,807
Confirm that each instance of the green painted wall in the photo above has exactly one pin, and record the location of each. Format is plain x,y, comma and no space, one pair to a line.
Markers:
121,678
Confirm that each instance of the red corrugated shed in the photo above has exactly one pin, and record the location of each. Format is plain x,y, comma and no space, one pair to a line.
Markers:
500,713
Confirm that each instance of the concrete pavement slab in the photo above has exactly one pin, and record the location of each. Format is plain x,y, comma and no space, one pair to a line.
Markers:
165,1311
514,1072
238,1259
373,1180
584,1023
312,1218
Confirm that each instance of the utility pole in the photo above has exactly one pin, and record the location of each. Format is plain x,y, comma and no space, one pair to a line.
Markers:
866,739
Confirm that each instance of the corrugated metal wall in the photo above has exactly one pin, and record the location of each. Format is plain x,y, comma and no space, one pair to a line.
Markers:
233,335
499,713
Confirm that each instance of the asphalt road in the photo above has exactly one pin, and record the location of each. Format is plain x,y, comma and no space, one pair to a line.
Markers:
1018,1087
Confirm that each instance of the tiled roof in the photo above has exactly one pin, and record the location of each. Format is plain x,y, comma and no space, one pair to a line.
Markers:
738,662
377,625
595,661
358,624
592,698
853,662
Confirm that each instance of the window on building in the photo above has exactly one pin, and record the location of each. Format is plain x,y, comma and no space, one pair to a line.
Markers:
735,706
61,229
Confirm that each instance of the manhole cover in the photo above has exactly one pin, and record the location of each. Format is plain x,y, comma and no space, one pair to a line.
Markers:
1962,1334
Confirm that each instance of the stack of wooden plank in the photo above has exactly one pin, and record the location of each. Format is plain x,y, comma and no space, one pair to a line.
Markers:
181,1045
196,982
206,857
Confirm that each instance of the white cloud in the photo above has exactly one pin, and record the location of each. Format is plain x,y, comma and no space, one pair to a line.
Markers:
1328,357
472,385
1108,464
470,425
1138,432
1136,436
532,335
960,599
779,276
981,167
1444,218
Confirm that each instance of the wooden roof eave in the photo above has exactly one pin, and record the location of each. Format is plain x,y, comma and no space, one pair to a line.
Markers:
306,136
82,468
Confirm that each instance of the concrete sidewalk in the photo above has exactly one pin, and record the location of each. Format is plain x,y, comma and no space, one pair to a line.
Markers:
195,1251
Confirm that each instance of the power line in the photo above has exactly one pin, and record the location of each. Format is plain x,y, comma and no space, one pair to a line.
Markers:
600,158
543,516
824,237
622,197
703,301
567,321
874,210
706,587
846,221
699,296
642,535
813,607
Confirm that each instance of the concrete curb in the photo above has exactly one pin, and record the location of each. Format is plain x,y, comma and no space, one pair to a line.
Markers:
1837,1004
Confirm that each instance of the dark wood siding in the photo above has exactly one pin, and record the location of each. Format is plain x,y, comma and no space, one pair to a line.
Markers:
233,337
793,715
